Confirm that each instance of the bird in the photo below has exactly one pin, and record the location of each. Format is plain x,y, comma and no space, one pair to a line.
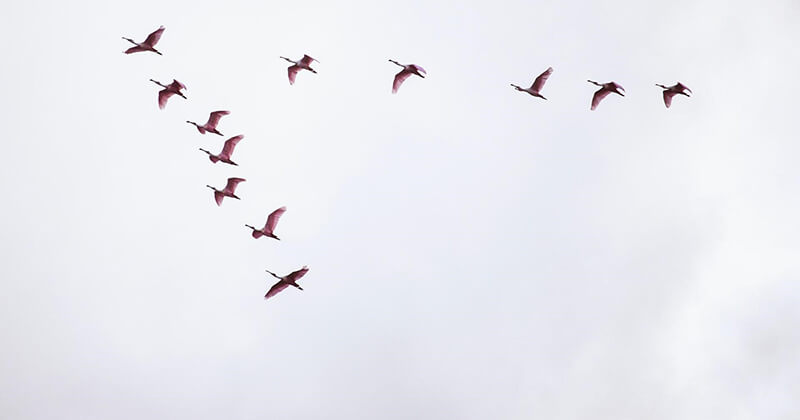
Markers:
408,70
211,125
285,281
304,63
228,191
173,88
605,90
148,44
670,91
227,151
537,85
269,227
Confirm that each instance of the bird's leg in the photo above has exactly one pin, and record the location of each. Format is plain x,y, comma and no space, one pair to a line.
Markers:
297,286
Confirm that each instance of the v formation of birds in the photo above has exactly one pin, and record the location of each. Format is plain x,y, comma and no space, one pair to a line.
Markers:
304,63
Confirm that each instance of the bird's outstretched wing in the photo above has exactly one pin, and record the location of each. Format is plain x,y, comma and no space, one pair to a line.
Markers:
276,288
135,49
399,78
273,218
227,149
176,85
297,275
538,84
214,117
668,94
163,96
307,60
153,38
598,96
218,196
232,183
293,73
682,87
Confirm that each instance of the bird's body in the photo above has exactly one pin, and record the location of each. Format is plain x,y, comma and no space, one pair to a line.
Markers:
227,150
303,64
269,227
211,125
228,191
537,85
285,281
605,90
148,44
173,88
408,70
676,89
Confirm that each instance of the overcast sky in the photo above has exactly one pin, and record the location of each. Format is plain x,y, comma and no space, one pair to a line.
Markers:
475,253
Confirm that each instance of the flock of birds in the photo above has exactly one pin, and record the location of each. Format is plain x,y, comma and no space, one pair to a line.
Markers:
408,70
176,88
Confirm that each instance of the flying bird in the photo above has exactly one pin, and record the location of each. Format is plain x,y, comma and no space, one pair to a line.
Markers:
670,91
228,191
269,227
227,151
303,64
605,90
148,44
211,125
537,85
173,88
285,281
408,70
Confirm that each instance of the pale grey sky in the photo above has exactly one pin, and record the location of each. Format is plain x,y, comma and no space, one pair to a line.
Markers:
475,252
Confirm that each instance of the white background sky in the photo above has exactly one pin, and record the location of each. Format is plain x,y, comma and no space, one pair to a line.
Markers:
475,252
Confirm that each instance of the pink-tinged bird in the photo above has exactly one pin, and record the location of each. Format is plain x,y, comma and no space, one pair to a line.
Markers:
148,44
227,151
173,88
211,125
670,91
537,85
605,90
408,70
303,64
285,281
269,228
228,191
